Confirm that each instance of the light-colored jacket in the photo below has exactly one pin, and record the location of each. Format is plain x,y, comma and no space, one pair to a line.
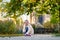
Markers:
30,29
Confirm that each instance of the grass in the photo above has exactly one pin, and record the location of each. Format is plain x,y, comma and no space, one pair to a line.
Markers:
14,35
56,34
10,35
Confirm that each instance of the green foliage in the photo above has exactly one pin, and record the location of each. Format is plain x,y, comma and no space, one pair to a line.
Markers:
47,25
0,0
14,7
7,27
19,31
19,7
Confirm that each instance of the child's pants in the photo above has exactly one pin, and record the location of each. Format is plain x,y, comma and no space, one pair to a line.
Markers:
26,28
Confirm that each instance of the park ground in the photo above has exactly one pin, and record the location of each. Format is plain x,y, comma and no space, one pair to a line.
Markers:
33,37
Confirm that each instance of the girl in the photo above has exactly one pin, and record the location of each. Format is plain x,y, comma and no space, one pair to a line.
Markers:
27,29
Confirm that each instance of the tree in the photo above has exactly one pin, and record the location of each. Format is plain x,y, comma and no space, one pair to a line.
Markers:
0,0
15,8
18,7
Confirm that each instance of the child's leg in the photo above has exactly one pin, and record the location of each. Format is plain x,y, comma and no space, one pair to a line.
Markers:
26,30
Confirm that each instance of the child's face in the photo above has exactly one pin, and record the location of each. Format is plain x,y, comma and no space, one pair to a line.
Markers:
26,22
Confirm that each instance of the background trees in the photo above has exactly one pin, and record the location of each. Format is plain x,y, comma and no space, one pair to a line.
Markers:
15,8
18,7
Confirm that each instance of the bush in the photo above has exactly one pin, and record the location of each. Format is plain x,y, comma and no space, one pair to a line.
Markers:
19,31
7,27
47,25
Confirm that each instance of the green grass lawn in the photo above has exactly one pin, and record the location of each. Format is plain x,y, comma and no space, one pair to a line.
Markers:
58,34
55,34
10,35
14,35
